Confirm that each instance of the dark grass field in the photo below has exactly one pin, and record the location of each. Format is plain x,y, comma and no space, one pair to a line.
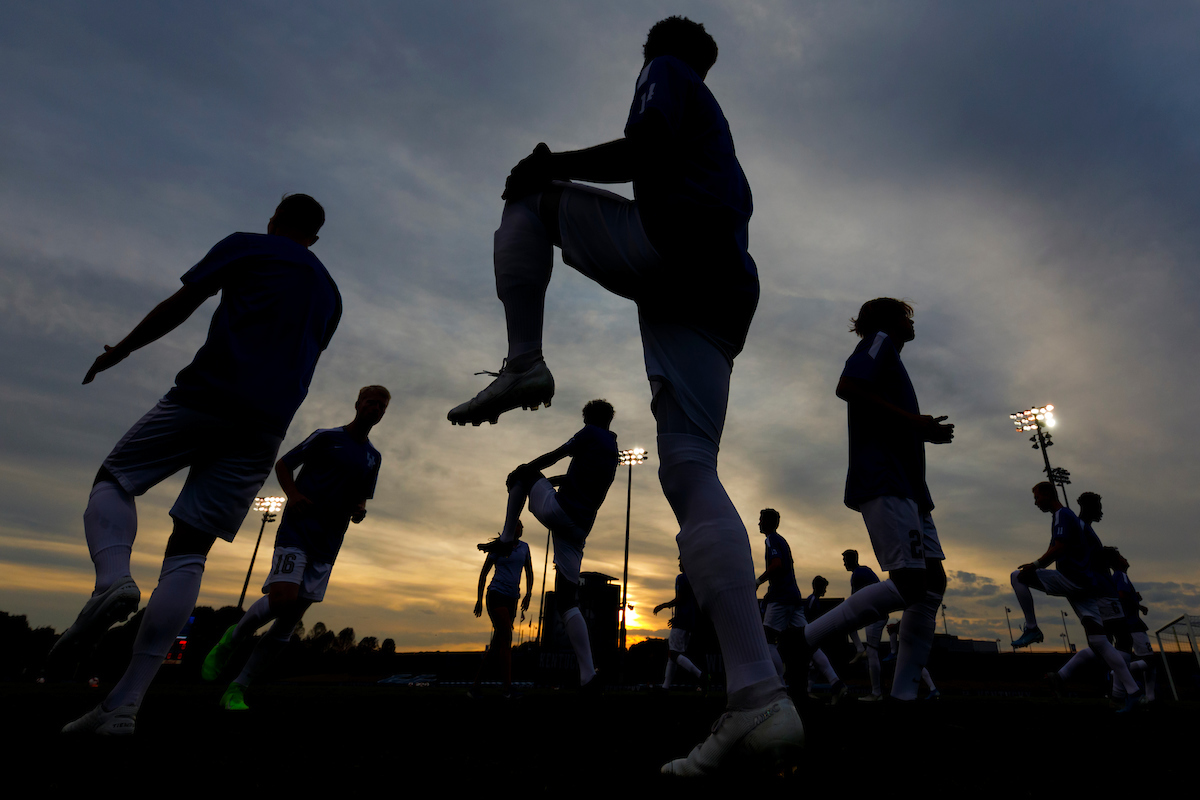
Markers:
357,737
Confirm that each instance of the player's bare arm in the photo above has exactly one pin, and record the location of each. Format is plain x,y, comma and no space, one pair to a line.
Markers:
487,567
776,563
932,429
164,318
1047,558
528,583
296,498
611,162
669,604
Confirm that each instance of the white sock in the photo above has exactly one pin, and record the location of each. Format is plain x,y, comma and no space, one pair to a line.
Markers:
856,641
110,525
670,674
687,665
822,663
1024,599
1078,660
876,670
255,617
523,256
917,624
925,676
1112,657
170,605
512,512
577,632
867,605
715,551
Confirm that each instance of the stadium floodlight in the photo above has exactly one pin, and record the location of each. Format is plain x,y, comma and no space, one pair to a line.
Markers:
269,506
627,458
1066,635
1038,419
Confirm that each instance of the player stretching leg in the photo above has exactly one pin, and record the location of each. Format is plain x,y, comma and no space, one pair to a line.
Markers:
502,597
225,419
811,609
886,483
683,618
1081,576
862,576
340,469
569,513
679,250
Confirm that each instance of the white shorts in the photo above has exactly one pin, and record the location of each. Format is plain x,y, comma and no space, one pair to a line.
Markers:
228,464
902,537
603,238
679,640
781,616
1100,609
291,565
568,537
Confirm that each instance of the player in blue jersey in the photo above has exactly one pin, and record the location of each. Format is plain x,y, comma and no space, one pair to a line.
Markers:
569,513
224,419
811,609
683,620
502,596
679,250
339,468
886,484
1082,577
862,576
1131,605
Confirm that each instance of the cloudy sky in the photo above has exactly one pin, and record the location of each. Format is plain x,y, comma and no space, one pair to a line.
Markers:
1023,173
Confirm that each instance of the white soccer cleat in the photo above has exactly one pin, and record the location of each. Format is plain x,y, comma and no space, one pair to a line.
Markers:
99,613
118,722
528,389
770,737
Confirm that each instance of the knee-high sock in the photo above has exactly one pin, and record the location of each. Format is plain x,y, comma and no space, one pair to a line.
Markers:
1024,599
1078,660
876,670
110,525
267,648
167,612
670,674
925,676
256,616
822,663
860,609
856,641
524,257
512,512
715,550
578,634
917,625
1113,658
687,665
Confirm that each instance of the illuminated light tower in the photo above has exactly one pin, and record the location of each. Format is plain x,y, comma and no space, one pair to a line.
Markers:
1038,419
627,458
269,506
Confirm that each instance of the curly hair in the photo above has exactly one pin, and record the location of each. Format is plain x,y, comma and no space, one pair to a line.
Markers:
684,39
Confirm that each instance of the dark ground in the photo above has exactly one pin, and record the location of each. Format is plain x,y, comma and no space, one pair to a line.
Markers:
321,734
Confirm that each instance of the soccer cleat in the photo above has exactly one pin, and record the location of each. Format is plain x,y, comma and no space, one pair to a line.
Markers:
859,656
1031,636
934,695
837,692
1132,702
118,722
497,547
99,613
233,700
218,657
771,737
870,698
528,389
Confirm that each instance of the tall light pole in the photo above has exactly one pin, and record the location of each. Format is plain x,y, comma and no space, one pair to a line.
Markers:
627,458
269,506
1008,619
1066,635
1038,419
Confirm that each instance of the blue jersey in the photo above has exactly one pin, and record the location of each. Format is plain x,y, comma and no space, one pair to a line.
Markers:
338,474
507,578
1130,600
593,452
684,617
1082,558
887,458
694,203
781,587
862,577
279,308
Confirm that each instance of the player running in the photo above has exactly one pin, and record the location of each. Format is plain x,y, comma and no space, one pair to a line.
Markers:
886,483
679,250
502,596
1082,578
339,470
862,576
225,419
683,620
569,513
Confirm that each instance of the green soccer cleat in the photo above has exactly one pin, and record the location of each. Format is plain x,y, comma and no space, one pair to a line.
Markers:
233,700
218,657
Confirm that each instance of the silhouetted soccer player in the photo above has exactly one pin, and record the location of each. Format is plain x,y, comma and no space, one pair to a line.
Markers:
569,513
886,483
679,249
683,619
225,419
502,596
862,576
339,470
811,608
1081,576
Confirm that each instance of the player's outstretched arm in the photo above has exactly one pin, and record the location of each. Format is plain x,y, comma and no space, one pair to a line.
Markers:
487,567
1047,558
611,162
164,318
931,429
669,604
295,498
528,583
